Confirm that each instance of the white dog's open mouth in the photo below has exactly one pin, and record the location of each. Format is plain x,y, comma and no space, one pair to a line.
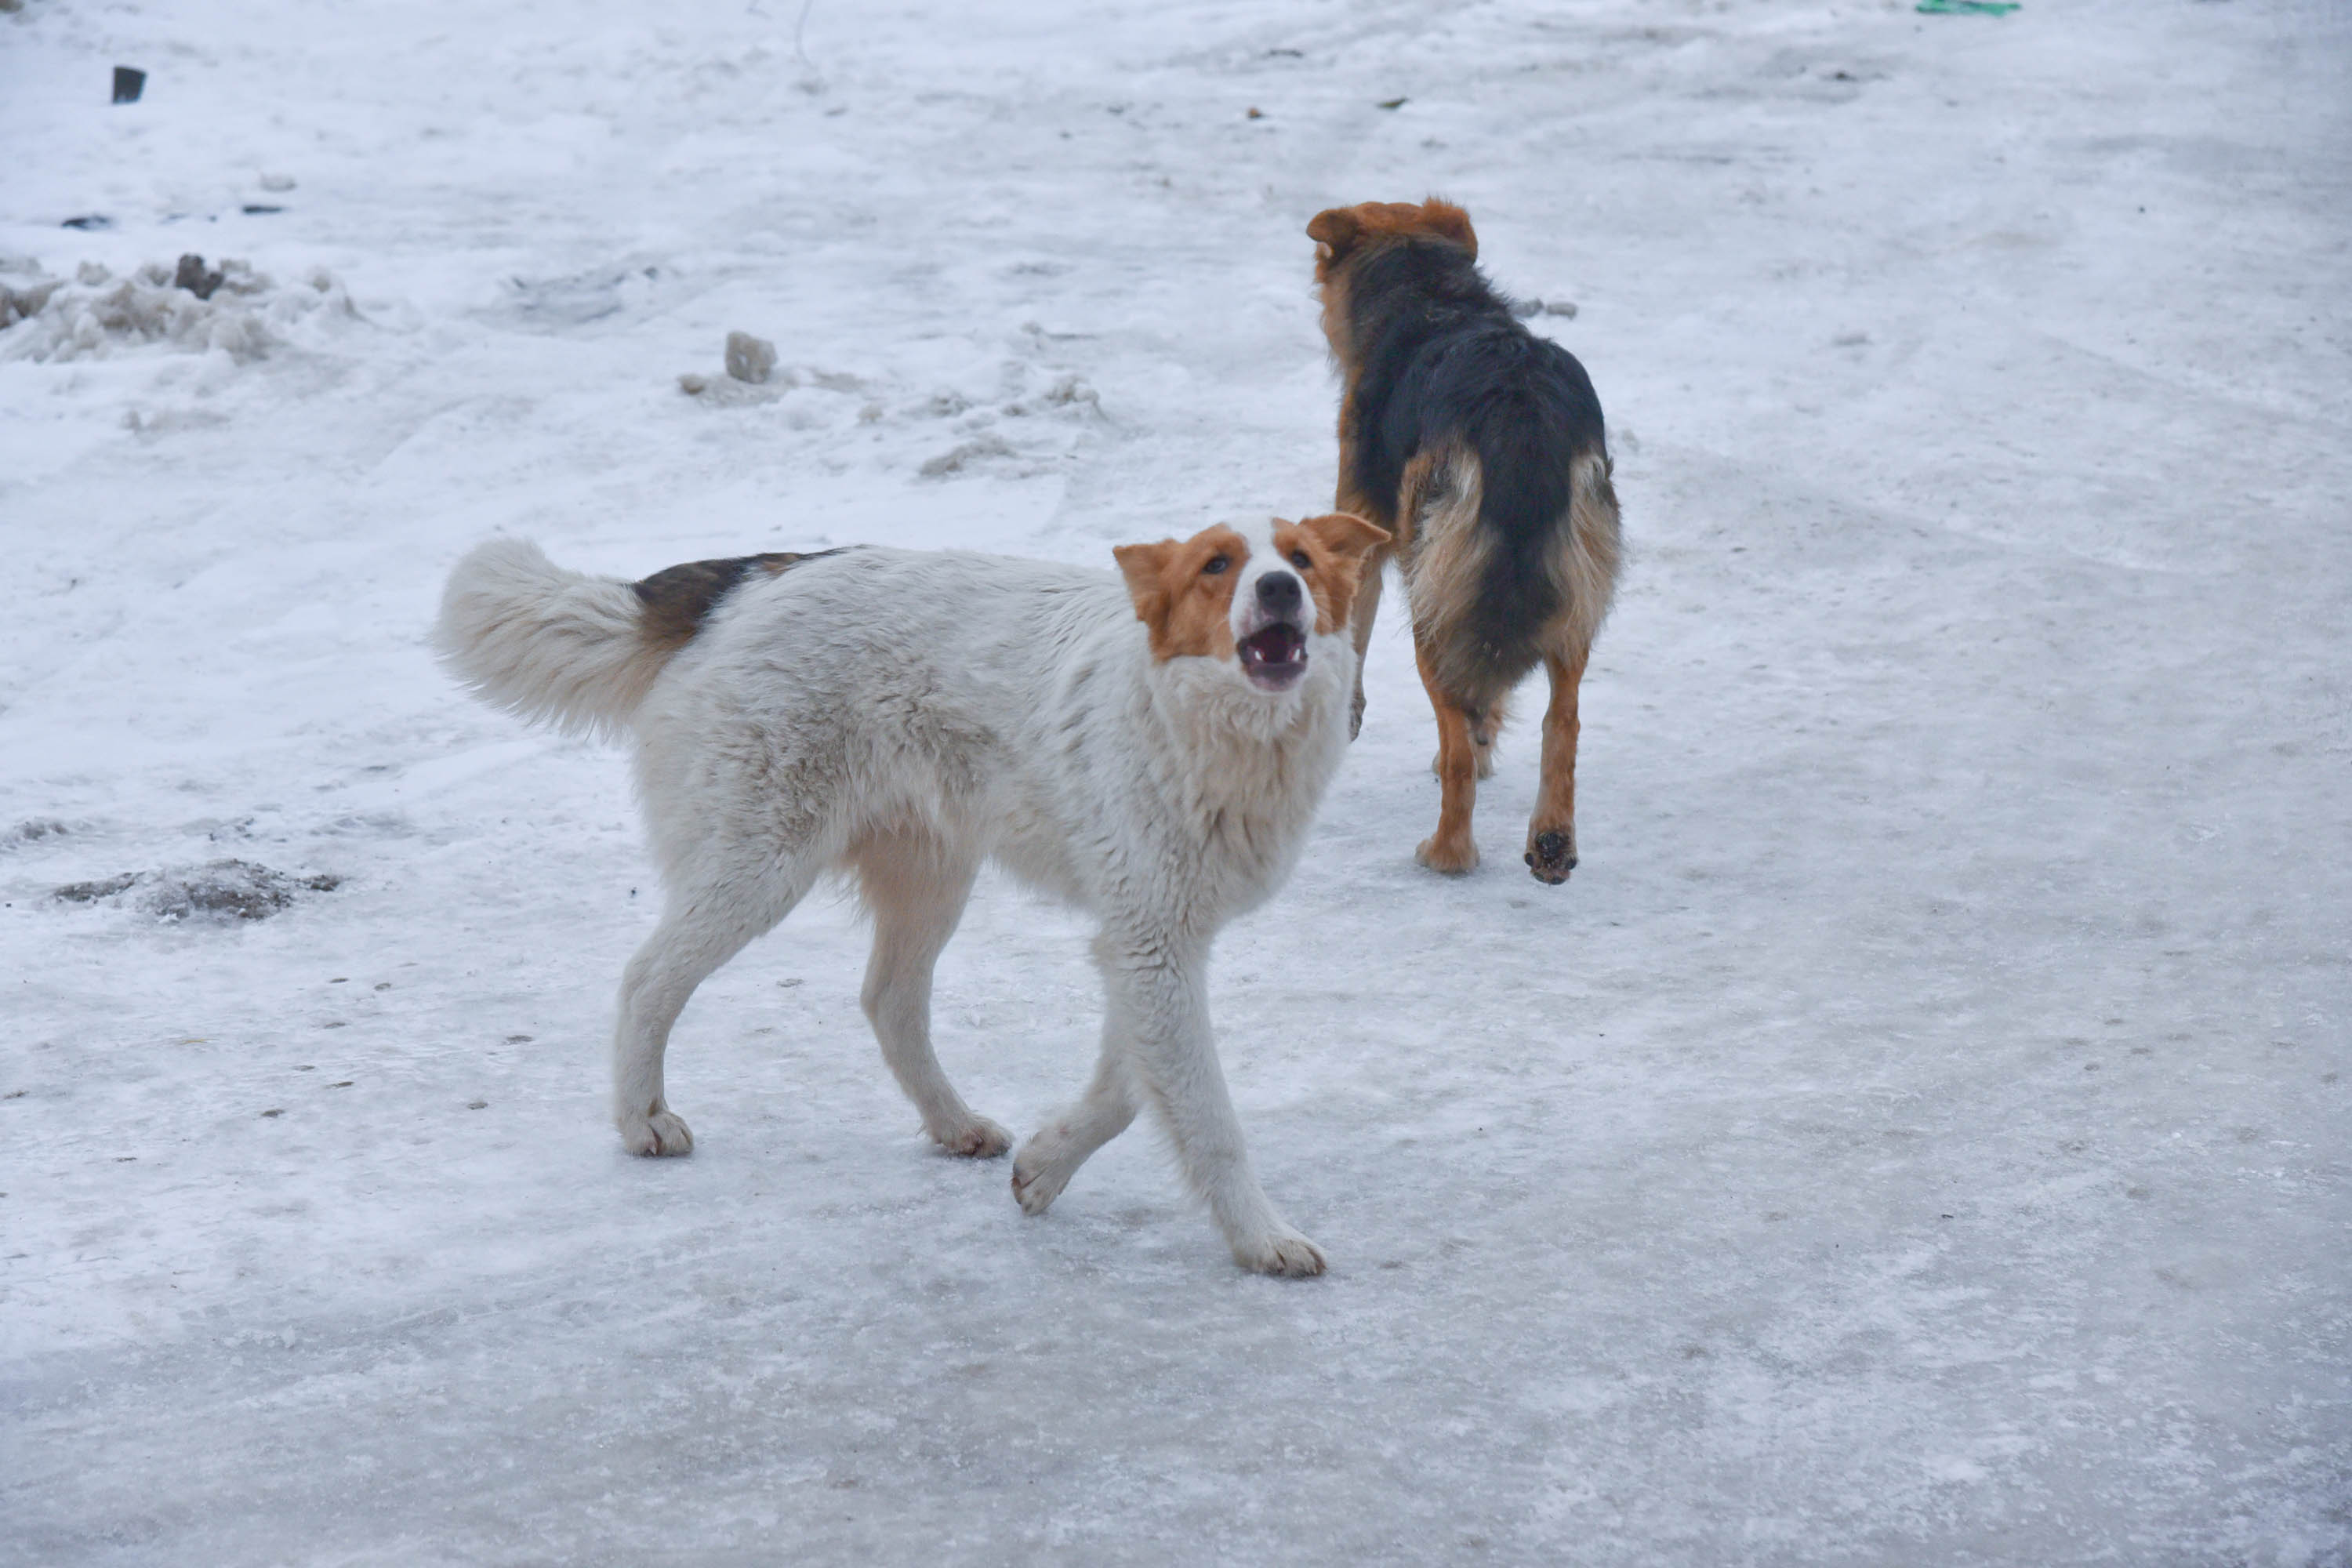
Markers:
1273,657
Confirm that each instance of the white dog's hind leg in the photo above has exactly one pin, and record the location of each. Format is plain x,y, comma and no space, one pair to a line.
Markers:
1159,999
1072,1134
702,927
917,891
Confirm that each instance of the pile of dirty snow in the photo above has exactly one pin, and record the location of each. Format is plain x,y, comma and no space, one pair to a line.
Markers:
191,306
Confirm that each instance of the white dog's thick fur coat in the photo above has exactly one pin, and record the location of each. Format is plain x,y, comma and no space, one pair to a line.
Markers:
907,716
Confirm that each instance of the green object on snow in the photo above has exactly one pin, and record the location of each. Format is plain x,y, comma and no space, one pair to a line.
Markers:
1968,7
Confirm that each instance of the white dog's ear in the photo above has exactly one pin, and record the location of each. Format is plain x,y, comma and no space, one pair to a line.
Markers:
1346,534
1337,545
1145,566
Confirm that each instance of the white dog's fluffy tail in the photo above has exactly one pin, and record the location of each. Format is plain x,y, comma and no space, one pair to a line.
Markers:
556,646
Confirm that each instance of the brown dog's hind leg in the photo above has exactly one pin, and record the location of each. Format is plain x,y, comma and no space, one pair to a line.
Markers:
1552,834
1484,726
1451,849
1483,730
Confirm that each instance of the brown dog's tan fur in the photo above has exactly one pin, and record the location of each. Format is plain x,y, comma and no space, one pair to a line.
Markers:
1447,556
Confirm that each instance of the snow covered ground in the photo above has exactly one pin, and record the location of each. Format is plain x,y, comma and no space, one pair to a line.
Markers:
1918,1134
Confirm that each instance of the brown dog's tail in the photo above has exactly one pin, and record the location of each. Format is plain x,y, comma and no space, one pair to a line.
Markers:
1500,575
556,646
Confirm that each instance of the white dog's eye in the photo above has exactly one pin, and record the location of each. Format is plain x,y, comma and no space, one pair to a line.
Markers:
1298,559
1216,565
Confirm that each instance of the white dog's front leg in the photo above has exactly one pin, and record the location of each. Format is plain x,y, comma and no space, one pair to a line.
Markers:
1072,1134
1160,1005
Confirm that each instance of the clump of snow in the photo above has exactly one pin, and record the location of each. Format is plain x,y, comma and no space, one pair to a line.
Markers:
753,375
19,299
188,306
727,391
954,460
1068,396
749,358
219,890
1070,393
750,368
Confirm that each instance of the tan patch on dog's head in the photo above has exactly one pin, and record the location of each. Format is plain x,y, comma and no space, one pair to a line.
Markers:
1340,233
1327,552
1344,234
1184,591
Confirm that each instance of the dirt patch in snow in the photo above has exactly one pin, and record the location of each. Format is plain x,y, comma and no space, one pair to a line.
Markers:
217,891
33,831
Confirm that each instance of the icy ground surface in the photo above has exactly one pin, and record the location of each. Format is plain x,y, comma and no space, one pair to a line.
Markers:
1917,1135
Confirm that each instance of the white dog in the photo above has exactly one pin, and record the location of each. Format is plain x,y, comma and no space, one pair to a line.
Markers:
909,715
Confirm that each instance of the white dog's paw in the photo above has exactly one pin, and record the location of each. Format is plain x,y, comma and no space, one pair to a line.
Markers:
1038,1177
659,1133
1284,1253
979,1139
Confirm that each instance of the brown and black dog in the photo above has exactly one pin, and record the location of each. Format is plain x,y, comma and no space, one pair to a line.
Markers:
1480,447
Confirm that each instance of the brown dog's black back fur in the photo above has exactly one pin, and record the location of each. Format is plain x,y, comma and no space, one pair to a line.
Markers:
1441,364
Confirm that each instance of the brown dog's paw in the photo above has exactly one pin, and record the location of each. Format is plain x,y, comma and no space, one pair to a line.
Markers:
1453,856
1551,854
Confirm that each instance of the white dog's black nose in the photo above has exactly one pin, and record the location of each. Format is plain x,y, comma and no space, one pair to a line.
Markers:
1278,594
